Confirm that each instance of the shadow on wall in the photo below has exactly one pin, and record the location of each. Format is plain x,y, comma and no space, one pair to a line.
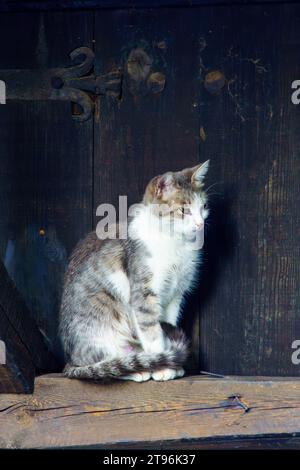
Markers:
221,237
36,260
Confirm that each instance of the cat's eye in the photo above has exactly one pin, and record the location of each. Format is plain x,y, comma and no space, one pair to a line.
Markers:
205,206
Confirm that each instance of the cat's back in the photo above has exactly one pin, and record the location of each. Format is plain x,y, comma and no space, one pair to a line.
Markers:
92,252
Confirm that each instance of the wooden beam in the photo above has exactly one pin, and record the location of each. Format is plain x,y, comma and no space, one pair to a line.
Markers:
17,369
190,413
22,348
50,5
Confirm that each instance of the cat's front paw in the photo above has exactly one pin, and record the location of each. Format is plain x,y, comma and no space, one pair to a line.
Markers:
137,377
167,374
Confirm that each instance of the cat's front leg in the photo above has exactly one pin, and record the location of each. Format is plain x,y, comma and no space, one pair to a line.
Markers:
147,312
171,313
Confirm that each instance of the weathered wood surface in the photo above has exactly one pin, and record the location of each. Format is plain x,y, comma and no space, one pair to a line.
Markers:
193,412
247,303
18,372
250,299
27,5
227,97
24,347
46,165
147,133
14,309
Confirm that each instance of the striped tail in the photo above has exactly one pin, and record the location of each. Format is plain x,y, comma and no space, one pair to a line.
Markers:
173,357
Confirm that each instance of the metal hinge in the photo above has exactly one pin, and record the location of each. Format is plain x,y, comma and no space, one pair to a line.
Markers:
76,84
80,85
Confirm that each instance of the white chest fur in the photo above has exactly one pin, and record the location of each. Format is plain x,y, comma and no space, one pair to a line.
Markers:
172,267
172,262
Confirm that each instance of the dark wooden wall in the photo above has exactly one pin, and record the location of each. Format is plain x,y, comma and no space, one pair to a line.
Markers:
54,171
46,164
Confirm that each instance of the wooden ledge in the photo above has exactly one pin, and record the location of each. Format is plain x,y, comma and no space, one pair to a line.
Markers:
190,413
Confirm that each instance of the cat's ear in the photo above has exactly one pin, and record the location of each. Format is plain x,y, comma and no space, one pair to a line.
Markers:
163,184
198,174
160,187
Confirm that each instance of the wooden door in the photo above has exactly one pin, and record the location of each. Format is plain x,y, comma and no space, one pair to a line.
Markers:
203,82
46,163
228,73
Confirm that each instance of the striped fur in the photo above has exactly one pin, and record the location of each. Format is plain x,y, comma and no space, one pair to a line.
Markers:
122,298
173,357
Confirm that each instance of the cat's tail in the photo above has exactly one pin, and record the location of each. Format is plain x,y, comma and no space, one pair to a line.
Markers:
173,357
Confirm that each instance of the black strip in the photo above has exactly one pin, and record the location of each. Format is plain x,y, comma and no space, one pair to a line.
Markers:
47,5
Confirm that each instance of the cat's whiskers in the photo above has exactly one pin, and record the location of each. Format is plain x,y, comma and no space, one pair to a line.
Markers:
211,186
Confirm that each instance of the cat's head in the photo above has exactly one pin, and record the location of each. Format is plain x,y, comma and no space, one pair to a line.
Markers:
179,200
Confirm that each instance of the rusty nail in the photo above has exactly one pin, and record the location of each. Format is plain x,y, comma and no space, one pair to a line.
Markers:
214,81
156,82
237,398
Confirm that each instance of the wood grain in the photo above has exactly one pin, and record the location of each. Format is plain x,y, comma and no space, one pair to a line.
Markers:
20,319
25,349
46,165
189,413
244,315
250,302
247,300
145,134
21,5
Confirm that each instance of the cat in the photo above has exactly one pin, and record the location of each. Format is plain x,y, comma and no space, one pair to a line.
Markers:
122,298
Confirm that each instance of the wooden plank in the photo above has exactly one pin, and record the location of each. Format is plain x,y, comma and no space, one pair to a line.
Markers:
248,294
46,165
250,300
193,412
147,133
19,5
248,127
14,311
23,346
17,369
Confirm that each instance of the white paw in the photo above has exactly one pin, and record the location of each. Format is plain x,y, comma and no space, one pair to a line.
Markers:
180,372
137,377
167,374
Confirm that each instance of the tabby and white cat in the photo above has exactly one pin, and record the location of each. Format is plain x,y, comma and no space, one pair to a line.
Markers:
122,297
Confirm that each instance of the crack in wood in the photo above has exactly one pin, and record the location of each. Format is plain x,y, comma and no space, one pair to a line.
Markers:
11,408
233,406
